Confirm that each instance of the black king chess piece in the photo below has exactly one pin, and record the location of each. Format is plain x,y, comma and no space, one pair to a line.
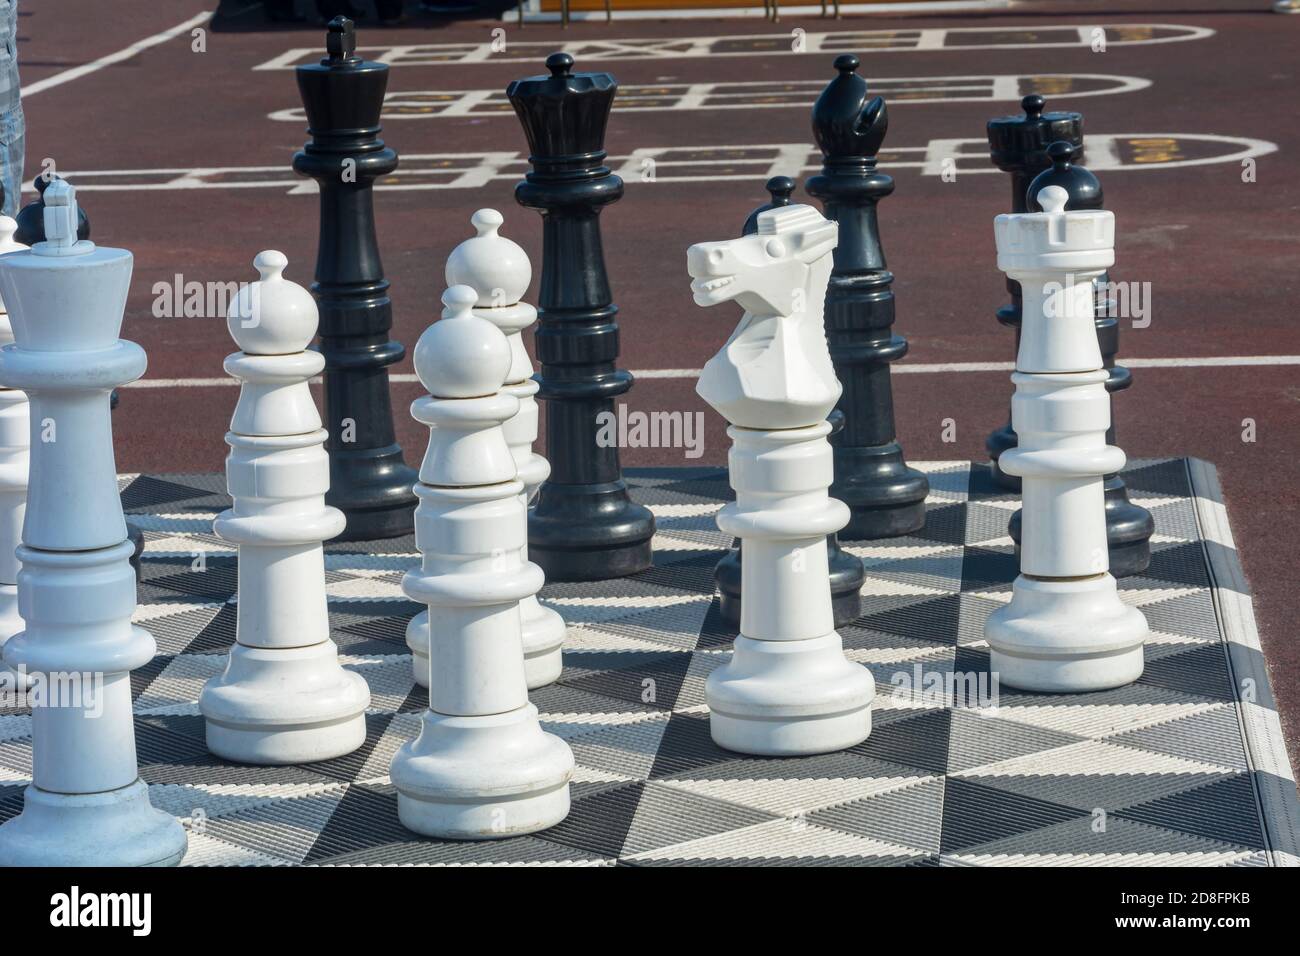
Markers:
369,481
885,497
1018,145
31,230
584,527
846,572
1128,526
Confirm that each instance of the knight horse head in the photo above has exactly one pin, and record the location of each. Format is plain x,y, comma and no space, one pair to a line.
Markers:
775,370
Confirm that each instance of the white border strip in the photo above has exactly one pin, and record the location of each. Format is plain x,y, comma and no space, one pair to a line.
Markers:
1223,361
1261,728
67,76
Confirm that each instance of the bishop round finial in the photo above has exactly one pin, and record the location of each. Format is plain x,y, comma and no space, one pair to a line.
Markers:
1052,199
560,65
272,316
1082,187
496,268
462,355
341,41
846,63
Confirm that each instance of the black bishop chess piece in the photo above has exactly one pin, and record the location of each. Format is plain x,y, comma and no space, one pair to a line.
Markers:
369,481
1018,145
846,572
885,496
31,230
583,527
1128,526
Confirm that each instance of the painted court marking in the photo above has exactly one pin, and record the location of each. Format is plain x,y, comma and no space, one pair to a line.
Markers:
915,368
85,69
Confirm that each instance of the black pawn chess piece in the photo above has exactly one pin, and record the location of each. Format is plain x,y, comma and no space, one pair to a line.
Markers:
583,527
846,572
885,496
369,481
1018,145
31,230
1128,526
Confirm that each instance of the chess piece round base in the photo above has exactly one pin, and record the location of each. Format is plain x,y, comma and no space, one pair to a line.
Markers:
285,706
846,577
112,828
482,778
886,497
589,533
544,632
789,698
1066,636
10,624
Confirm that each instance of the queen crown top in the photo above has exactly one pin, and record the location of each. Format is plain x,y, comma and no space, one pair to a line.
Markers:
497,268
846,123
564,114
272,316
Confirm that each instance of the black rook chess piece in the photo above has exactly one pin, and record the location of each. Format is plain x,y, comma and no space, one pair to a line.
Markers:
884,495
1128,526
1018,145
584,527
846,572
369,481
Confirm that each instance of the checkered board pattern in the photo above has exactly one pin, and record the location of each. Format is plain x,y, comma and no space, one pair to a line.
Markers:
1186,766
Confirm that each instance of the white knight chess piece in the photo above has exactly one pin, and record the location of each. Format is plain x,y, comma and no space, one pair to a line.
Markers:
788,688
1066,628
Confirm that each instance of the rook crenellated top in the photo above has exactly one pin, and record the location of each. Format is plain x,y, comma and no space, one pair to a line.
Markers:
1054,239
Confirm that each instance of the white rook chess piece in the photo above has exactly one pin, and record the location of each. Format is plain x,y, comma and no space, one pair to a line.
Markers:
499,271
1066,628
14,444
482,767
87,805
788,689
284,698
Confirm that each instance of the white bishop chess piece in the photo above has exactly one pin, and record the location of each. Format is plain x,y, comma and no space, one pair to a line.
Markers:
788,688
14,455
284,698
499,271
1066,628
482,767
86,805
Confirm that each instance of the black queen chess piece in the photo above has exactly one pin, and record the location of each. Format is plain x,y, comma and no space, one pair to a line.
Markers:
1018,146
847,574
369,481
1128,526
885,496
583,527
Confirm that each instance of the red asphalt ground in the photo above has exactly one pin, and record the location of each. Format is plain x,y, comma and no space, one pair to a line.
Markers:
1220,254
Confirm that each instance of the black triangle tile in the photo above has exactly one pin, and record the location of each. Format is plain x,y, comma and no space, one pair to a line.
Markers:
650,679
975,814
1213,811
1160,478
911,739
945,523
218,635
599,823
686,746
976,741
147,491
929,619
365,819
908,816
1199,671
987,569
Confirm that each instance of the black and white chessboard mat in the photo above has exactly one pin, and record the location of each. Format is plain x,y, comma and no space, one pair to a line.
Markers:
1186,766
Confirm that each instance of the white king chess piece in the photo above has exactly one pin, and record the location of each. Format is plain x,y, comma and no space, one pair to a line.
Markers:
788,688
1066,628
284,698
14,445
86,805
499,271
482,767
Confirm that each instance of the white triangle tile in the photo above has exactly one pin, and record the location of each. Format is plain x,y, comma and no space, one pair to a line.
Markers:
792,797
206,851
787,839
1094,757
1103,720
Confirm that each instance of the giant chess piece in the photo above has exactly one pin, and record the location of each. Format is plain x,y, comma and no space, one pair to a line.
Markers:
482,767
788,689
1128,526
369,481
886,498
14,456
846,572
86,805
1066,628
584,527
283,698
1018,145
499,271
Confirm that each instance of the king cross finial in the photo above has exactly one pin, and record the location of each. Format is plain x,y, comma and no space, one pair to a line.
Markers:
341,41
